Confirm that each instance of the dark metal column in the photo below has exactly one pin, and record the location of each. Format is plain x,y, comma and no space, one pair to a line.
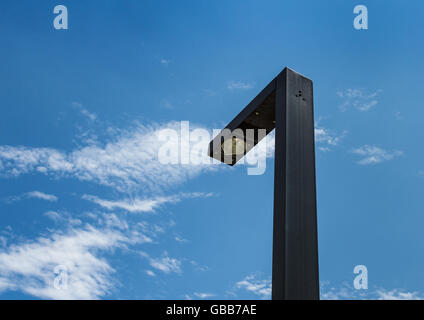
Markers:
295,243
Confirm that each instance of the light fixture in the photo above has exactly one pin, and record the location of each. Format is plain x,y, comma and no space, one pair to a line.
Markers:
285,104
233,146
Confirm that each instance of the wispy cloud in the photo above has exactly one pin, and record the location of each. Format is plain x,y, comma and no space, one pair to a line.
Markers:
165,263
373,154
6,235
143,205
41,195
53,215
150,273
254,284
32,194
30,266
261,287
89,115
199,295
204,295
136,205
64,218
347,292
199,267
239,85
128,161
398,294
344,291
165,62
326,138
358,99
180,239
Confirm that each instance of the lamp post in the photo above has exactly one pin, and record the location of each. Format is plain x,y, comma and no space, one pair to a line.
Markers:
285,104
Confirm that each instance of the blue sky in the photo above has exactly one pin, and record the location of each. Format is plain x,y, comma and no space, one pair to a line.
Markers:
81,186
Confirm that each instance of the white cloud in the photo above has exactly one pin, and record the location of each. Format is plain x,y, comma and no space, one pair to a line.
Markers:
373,154
30,266
63,218
199,267
347,292
136,205
19,160
143,205
260,287
6,285
128,161
239,85
203,295
32,194
397,294
150,273
112,221
326,138
165,62
3,241
180,239
53,215
165,263
41,195
358,99
89,115
342,292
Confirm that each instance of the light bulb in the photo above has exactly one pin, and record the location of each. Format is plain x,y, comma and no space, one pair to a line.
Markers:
233,146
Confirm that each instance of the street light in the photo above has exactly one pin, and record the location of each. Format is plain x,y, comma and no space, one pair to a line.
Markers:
285,104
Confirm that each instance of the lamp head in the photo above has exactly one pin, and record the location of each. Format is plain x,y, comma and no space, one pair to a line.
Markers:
242,133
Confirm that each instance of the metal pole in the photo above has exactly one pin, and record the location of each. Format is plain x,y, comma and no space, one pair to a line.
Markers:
295,243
